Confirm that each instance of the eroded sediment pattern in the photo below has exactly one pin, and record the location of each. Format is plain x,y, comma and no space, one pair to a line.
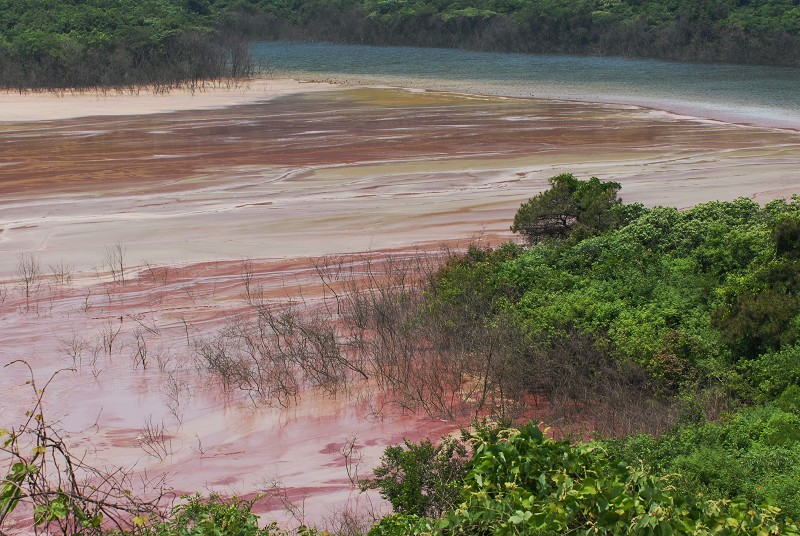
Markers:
348,171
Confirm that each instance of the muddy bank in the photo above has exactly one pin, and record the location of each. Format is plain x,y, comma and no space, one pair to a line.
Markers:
28,106
185,196
348,170
133,392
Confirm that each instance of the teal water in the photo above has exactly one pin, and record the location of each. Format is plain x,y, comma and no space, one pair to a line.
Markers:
768,96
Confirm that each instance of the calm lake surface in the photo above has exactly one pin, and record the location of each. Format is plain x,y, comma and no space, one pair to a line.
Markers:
767,96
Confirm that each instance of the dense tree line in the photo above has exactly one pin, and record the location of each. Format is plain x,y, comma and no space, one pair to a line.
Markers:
108,44
119,43
738,31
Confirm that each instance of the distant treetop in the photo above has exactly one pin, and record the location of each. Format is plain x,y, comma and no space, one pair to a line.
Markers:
50,44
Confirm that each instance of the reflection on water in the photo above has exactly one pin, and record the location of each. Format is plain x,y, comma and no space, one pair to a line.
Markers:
109,394
742,93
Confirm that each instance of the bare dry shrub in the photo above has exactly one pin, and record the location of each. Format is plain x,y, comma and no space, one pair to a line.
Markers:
348,521
275,491
139,354
74,348
114,262
175,394
245,356
247,275
155,440
108,335
373,327
29,273
86,305
446,359
584,384
94,354
158,275
353,458
61,491
61,272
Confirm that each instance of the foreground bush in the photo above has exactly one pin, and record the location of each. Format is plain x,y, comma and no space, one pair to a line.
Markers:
752,455
208,516
521,482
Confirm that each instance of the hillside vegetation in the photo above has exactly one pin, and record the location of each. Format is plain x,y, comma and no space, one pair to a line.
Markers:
738,31
121,43
115,43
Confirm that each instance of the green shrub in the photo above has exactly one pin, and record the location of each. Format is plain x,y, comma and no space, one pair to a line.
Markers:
420,479
212,516
570,207
789,400
403,525
752,455
781,430
524,483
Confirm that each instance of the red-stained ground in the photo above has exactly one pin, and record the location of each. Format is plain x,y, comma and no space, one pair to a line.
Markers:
282,182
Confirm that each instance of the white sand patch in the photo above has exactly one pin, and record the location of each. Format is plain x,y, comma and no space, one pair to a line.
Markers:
47,106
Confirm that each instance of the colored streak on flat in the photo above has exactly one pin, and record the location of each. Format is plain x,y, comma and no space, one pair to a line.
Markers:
298,176
349,170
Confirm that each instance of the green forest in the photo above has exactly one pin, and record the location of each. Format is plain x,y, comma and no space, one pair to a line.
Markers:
55,44
121,43
691,314
737,31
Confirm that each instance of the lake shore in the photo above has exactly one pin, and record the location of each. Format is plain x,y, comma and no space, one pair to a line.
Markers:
713,112
30,106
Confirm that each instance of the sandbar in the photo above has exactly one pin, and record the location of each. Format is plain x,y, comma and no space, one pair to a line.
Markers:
54,105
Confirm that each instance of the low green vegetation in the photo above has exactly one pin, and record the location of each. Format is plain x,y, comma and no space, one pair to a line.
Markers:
572,208
520,482
704,302
420,479
201,516
751,455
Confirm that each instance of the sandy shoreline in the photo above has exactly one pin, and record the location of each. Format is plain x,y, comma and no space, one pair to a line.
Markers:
714,112
50,106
